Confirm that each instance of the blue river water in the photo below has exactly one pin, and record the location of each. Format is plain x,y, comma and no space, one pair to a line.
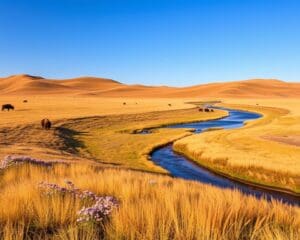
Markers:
181,167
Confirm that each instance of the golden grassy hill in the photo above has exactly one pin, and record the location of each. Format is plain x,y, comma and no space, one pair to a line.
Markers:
253,88
26,85
102,87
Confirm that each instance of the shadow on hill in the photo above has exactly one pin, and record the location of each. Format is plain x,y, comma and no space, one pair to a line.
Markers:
70,139
73,145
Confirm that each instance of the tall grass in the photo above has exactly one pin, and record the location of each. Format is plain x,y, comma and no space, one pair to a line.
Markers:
246,154
152,207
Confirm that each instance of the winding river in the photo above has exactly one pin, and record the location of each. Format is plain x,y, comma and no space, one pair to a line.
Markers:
181,167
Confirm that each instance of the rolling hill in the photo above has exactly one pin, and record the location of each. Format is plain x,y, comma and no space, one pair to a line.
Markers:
103,87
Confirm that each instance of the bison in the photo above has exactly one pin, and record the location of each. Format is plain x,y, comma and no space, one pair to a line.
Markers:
200,109
46,124
206,109
7,107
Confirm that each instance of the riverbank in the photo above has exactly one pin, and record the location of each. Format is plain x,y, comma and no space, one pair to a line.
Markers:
244,154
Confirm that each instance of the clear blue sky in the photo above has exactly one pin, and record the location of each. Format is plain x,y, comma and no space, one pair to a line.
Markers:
158,42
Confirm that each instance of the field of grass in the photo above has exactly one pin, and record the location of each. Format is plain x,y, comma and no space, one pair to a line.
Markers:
95,136
151,207
20,130
110,139
107,138
60,107
253,153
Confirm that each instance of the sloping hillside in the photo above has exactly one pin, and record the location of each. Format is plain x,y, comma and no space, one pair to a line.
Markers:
102,87
246,89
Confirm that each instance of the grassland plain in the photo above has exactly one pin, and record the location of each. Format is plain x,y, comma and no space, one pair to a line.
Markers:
151,207
20,129
64,107
265,151
107,138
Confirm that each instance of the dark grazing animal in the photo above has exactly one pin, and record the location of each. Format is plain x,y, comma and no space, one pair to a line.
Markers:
206,109
211,110
170,104
46,124
25,101
7,107
200,109
124,103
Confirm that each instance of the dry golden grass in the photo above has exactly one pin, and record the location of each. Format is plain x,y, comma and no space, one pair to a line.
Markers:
152,207
108,139
20,130
251,152
100,129
61,107
118,145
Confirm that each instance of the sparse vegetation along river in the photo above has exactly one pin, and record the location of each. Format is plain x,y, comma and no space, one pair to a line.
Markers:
181,167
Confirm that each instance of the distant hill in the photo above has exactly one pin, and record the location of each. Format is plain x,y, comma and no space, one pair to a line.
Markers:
103,87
